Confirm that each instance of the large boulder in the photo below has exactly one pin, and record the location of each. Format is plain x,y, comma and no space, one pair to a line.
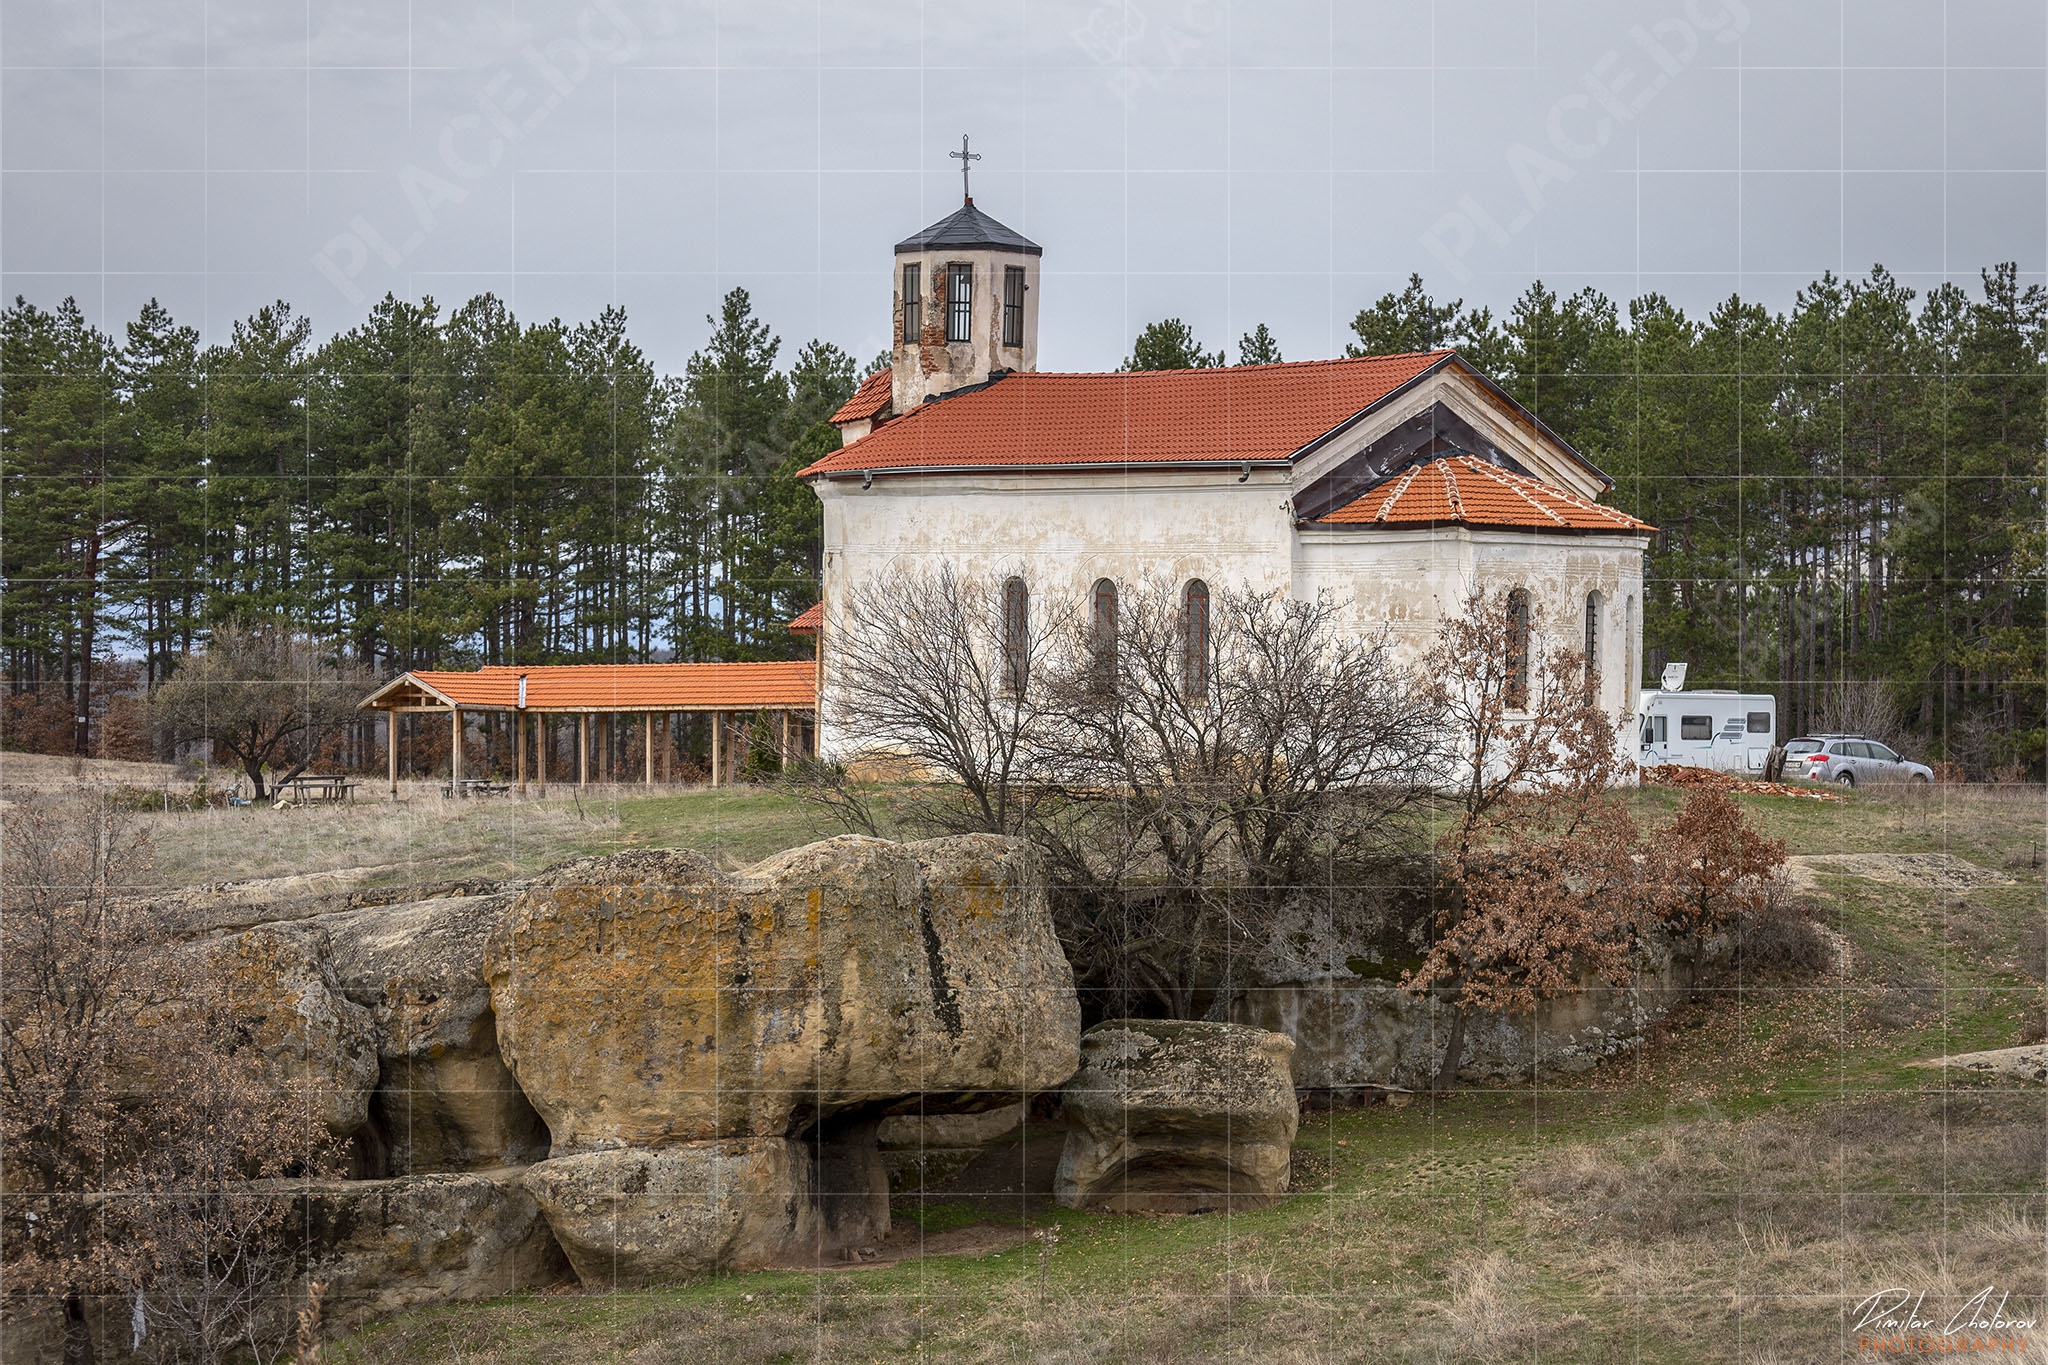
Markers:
381,1246
1178,1116
649,998
298,1031
445,1100
640,1217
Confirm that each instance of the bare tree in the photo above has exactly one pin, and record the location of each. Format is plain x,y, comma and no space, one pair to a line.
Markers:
941,667
1863,706
1201,773
262,693
77,965
1538,879
132,1128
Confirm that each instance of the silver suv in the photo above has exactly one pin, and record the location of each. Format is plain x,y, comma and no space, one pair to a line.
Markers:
1850,760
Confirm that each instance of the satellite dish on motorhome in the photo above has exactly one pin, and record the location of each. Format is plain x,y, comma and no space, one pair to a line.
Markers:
1674,677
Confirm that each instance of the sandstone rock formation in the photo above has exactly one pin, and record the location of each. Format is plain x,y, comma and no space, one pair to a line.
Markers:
444,1099
649,1000
1178,1116
919,1149
385,1245
302,1034
631,1218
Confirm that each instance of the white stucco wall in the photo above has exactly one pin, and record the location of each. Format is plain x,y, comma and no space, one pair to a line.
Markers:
1411,578
1061,531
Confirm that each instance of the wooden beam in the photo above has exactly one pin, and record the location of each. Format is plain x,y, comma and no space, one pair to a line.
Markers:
582,750
391,743
785,740
519,751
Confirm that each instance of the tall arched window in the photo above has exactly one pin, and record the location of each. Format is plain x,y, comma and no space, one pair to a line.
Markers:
1195,632
1518,650
1102,630
1016,634
1594,602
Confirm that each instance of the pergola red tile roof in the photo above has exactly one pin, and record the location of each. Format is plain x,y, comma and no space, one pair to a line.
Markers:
870,398
1463,490
1215,416
607,687
809,621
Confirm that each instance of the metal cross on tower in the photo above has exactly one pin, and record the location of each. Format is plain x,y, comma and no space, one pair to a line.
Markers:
964,157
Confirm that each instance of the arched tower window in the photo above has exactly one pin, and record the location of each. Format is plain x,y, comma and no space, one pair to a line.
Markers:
1016,634
1102,630
1594,603
1195,632
1517,660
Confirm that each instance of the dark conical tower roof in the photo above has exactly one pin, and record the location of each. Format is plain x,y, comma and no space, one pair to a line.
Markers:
966,228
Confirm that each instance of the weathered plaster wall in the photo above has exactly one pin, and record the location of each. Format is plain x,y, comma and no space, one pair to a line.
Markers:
1059,531
929,364
1411,579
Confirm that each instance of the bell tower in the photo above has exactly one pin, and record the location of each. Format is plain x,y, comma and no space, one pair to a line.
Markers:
966,299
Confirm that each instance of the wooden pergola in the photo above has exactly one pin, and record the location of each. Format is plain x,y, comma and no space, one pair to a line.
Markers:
594,694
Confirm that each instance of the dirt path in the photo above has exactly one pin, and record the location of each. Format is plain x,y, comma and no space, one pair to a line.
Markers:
1935,871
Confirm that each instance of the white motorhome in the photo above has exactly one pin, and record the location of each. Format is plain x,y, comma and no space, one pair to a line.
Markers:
1728,731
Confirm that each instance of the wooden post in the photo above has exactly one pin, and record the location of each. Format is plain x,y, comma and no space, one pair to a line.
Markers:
519,750
647,743
604,747
717,746
785,739
455,751
583,749
668,747
540,753
391,743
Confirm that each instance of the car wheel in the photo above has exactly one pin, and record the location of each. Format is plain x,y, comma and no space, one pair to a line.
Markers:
1847,779
1920,778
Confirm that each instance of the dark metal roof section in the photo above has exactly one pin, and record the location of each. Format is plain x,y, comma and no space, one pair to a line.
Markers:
1428,435
965,229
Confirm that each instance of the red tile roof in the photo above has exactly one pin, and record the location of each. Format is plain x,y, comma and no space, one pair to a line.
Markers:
809,620
870,398
1464,490
615,687
1225,415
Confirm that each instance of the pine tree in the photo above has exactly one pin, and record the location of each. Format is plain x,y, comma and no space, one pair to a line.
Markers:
1258,347
1170,345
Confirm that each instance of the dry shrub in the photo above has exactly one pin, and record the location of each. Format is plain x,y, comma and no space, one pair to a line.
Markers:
1780,939
1492,1313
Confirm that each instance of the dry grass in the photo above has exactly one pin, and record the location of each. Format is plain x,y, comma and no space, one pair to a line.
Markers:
50,772
424,837
1710,1241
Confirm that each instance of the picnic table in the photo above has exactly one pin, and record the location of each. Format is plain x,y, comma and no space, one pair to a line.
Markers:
475,786
315,787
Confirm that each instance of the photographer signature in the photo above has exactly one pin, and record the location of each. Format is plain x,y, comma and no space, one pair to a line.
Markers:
1882,1311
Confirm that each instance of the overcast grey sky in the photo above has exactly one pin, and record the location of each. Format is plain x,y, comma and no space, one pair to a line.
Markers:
1283,161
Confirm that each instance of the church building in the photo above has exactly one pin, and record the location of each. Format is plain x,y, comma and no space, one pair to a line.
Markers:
1396,484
